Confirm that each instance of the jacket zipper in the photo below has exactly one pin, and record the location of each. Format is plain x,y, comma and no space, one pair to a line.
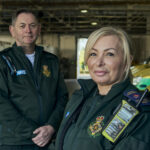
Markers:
37,90
73,117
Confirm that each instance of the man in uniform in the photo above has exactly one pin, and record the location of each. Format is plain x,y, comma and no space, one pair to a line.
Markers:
33,94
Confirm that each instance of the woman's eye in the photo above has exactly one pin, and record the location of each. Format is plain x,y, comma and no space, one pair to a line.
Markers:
92,54
110,54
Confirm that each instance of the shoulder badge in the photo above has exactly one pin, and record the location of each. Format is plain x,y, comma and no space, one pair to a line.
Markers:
95,127
135,96
45,71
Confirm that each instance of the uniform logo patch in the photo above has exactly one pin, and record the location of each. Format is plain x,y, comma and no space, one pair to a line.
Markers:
95,127
45,71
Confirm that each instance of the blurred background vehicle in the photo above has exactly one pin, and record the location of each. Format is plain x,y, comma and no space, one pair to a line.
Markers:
141,75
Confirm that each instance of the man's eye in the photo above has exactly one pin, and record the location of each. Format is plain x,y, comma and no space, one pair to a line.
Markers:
33,25
92,54
22,26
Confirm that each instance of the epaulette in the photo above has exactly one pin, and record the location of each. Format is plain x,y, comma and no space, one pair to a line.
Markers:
146,100
134,96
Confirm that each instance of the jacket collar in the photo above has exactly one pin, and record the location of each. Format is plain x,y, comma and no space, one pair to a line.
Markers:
87,85
19,49
118,89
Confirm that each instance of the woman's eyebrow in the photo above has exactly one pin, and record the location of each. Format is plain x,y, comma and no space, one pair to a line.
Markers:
107,49
94,49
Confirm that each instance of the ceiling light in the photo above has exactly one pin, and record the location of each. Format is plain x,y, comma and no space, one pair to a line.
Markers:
93,23
84,11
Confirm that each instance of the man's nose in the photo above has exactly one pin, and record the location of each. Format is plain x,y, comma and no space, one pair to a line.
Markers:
28,29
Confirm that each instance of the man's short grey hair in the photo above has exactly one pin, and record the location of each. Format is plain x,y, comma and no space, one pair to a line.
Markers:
20,11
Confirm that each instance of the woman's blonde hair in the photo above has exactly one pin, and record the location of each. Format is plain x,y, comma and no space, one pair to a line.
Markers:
122,36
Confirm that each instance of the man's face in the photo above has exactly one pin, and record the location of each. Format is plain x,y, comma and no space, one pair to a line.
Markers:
25,30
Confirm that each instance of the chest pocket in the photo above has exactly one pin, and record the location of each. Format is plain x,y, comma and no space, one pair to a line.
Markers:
17,76
10,64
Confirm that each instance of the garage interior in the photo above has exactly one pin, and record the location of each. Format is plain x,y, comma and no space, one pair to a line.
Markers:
65,21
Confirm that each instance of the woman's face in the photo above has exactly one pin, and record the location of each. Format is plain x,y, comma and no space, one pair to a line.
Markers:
105,62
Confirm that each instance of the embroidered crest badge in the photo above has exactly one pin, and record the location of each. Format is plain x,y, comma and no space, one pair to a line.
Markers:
95,127
45,71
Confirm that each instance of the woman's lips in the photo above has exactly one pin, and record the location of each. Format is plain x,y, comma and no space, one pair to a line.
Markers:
100,73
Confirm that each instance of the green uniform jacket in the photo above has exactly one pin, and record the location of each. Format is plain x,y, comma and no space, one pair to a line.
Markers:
84,132
29,97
